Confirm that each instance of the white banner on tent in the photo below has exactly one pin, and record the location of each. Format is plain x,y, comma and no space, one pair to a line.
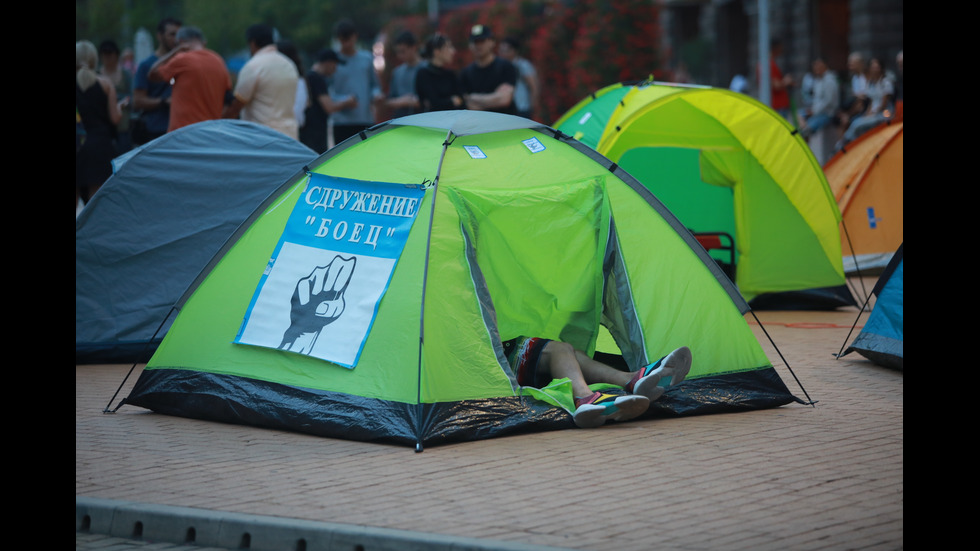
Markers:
320,292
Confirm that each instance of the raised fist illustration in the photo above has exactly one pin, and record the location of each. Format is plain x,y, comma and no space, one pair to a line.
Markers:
318,300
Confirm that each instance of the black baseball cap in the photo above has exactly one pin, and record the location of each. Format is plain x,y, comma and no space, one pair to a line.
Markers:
327,54
480,32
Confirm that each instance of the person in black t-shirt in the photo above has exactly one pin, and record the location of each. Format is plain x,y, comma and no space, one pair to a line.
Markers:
488,83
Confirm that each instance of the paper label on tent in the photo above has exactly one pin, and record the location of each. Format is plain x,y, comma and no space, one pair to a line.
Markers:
321,291
475,152
533,144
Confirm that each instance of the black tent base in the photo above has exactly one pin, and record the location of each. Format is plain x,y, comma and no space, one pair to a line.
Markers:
239,400
826,298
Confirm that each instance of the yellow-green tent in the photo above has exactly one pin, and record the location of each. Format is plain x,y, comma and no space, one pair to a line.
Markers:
723,162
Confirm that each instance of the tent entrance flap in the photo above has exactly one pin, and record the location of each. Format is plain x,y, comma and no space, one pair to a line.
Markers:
541,254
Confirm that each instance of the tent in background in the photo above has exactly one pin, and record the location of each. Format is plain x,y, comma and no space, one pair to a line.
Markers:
512,229
158,220
868,180
724,163
882,339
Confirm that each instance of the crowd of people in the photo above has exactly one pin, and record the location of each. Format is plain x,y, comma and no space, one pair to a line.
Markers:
184,82
867,96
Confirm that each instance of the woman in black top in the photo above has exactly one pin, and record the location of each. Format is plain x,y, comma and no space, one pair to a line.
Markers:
95,100
436,84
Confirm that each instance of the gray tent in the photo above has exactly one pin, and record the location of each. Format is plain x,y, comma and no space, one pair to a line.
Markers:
157,222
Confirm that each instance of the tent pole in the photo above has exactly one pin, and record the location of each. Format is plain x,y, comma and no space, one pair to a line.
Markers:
425,280
854,256
809,400
145,346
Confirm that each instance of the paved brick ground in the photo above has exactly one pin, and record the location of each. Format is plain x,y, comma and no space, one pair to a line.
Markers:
797,477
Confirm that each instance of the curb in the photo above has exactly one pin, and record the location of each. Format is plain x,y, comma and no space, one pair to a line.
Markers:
207,528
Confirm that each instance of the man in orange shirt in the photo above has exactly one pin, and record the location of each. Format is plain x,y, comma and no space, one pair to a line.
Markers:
201,82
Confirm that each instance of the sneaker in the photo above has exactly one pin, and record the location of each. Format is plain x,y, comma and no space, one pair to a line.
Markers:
646,382
676,366
653,380
593,411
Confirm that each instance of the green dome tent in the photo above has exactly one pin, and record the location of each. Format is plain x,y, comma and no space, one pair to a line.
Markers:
450,232
726,164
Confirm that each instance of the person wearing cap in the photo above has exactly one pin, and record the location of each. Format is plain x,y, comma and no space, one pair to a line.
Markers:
313,133
489,82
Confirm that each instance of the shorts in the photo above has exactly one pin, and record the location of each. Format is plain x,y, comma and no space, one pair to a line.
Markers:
523,354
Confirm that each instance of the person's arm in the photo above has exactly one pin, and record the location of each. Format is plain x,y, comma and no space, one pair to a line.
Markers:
115,113
242,94
407,100
141,99
143,102
155,74
501,97
430,97
234,109
330,106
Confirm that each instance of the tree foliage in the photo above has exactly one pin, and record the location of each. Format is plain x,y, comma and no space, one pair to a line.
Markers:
308,23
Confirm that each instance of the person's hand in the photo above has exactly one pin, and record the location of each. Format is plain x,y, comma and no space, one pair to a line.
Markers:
318,301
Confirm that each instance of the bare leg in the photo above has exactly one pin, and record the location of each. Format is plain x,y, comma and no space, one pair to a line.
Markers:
591,409
598,372
562,360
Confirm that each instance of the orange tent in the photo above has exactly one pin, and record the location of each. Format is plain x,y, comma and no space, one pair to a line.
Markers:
867,179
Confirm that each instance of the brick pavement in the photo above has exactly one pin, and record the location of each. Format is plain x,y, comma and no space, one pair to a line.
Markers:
798,477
